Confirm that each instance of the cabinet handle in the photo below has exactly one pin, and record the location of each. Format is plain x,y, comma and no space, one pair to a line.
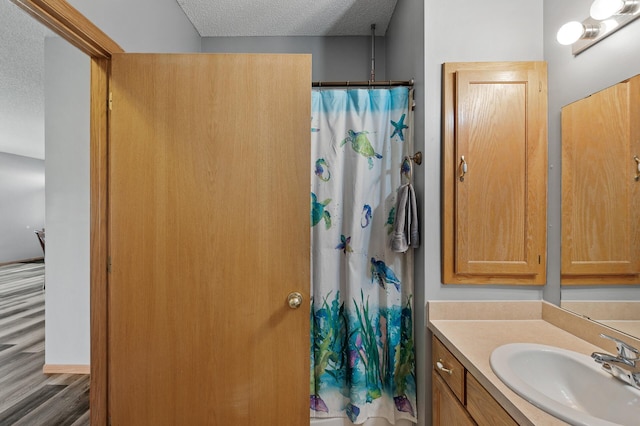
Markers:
442,368
463,168
635,157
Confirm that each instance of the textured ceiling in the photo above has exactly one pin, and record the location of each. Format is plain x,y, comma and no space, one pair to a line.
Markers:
21,82
22,48
222,18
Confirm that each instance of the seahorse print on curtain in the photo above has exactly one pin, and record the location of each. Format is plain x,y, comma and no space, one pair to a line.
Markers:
362,342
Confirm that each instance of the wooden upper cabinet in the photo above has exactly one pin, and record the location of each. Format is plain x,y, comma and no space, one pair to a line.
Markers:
600,192
494,173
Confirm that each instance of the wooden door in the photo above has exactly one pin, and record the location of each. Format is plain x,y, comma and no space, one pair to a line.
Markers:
600,196
499,202
208,234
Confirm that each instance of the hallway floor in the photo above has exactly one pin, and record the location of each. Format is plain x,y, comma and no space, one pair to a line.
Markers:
27,396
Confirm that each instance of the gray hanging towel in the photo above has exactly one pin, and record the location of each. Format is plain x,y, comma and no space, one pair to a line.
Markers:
405,226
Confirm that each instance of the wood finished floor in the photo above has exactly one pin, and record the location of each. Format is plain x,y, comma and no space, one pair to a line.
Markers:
27,396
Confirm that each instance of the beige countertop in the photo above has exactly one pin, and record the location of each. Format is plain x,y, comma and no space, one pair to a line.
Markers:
472,330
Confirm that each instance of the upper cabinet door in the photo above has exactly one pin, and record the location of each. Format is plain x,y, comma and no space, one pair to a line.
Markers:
600,192
495,173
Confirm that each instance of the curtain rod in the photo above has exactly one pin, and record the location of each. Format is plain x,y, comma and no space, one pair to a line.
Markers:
367,83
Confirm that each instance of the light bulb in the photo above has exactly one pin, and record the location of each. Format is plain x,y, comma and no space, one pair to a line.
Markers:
570,32
603,9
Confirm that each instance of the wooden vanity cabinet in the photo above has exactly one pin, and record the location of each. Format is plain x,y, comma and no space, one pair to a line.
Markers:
483,407
601,187
458,398
447,409
494,173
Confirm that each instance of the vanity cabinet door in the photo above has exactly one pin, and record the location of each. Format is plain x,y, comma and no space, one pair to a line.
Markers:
447,410
457,397
600,193
483,407
495,173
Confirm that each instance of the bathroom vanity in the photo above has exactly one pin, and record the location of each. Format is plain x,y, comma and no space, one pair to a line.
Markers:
465,388
458,397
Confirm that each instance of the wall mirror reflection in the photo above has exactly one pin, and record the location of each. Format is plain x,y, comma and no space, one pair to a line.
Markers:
600,256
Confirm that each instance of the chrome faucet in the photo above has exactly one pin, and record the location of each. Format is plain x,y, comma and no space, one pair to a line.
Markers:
625,366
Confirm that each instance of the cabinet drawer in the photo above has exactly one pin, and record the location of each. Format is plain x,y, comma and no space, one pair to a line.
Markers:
450,369
484,409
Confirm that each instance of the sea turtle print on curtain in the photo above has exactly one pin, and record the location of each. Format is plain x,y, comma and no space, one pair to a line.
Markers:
362,343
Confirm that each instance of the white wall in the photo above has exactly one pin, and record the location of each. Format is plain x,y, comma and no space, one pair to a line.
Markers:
405,60
67,203
140,26
334,58
610,61
461,31
21,207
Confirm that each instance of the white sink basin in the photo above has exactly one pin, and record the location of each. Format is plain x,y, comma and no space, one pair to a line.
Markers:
566,384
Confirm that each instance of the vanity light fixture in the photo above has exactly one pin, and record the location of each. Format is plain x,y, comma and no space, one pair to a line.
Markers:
605,9
573,31
607,16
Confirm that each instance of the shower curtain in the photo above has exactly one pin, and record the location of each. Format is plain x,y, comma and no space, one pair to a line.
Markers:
362,343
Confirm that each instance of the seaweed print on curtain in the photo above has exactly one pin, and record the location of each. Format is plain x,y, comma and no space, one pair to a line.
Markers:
362,346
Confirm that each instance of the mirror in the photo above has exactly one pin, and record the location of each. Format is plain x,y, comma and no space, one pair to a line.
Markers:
571,78
618,314
600,207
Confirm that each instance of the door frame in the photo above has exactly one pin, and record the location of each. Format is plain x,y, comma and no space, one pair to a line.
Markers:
67,22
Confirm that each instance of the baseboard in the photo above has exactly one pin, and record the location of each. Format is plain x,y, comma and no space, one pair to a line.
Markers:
66,369
32,260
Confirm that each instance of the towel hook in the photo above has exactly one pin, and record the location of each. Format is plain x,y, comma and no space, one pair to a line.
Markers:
417,158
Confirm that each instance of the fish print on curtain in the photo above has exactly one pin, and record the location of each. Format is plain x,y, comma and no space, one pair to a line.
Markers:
362,343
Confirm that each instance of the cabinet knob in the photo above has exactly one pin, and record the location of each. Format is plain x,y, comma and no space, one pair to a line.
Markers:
635,157
442,368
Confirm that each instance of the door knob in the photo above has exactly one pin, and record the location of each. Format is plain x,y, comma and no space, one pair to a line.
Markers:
294,299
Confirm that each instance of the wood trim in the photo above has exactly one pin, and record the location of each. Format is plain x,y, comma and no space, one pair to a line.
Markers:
68,23
599,280
447,207
98,237
66,369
